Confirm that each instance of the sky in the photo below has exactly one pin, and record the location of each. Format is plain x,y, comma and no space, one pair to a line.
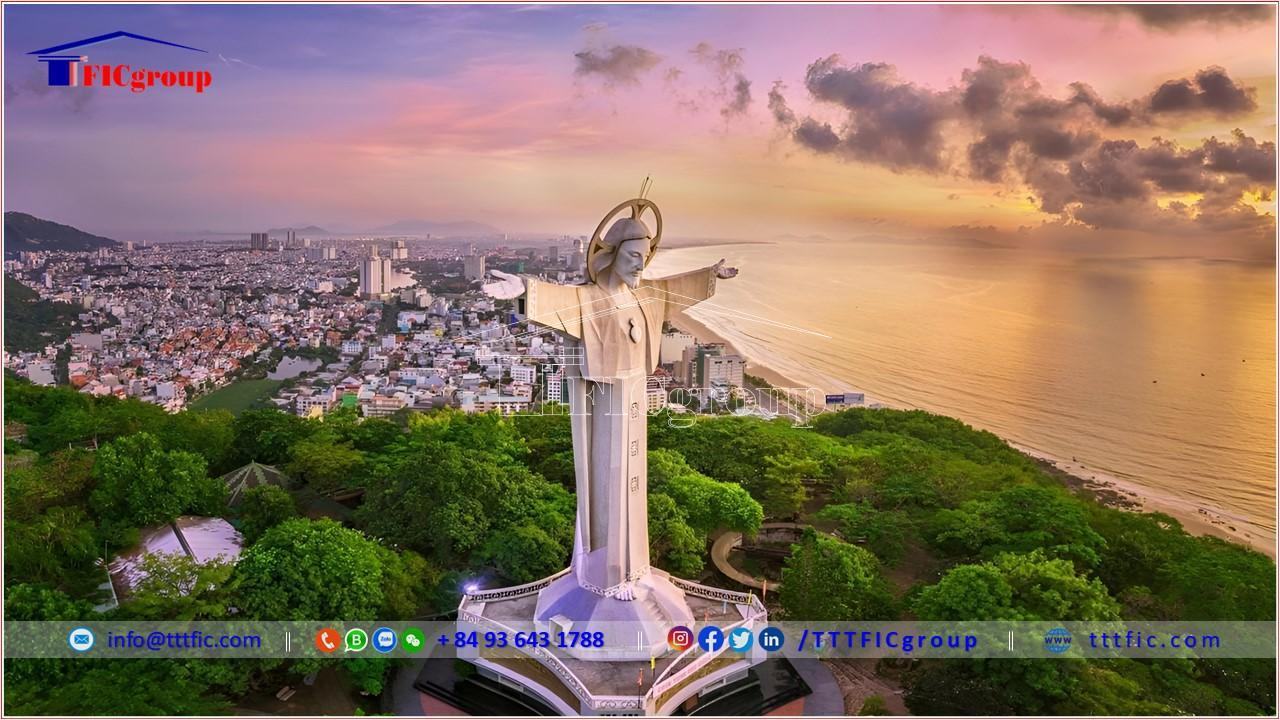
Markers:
1007,124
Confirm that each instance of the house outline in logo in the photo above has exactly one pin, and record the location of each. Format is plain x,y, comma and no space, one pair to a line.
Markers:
63,69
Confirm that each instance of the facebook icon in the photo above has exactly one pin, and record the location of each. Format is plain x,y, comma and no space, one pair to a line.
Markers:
710,638
771,639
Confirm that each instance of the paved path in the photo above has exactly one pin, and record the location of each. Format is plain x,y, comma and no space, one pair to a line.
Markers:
826,698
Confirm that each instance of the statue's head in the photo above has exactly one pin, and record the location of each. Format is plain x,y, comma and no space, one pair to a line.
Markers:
624,251
628,246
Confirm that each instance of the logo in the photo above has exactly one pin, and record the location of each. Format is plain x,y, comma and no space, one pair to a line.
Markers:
740,639
327,640
679,638
771,639
74,70
1057,640
710,638
384,639
356,641
80,639
414,640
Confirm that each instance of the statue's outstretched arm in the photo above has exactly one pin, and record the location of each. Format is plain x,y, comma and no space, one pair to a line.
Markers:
690,288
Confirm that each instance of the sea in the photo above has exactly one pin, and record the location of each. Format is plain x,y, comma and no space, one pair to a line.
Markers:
1159,372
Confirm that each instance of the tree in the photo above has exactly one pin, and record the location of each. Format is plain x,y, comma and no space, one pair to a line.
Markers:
325,463
523,553
1012,587
828,580
176,587
1019,519
1016,587
708,505
262,508
209,433
781,490
265,436
308,570
673,544
883,531
140,483
47,547
39,602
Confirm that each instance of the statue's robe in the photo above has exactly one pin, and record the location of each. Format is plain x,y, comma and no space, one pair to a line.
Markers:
620,334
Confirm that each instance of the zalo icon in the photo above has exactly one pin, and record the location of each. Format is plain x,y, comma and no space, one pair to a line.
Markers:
384,639
710,638
740,639
771,639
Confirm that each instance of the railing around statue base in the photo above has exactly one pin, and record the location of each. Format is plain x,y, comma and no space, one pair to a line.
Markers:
666,687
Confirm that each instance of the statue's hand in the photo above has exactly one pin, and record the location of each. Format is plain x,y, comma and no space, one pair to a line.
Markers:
507,287
724,273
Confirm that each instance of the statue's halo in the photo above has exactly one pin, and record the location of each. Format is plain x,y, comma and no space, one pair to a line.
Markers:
637,207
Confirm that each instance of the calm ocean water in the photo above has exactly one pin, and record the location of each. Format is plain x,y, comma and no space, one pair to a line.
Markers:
1160,372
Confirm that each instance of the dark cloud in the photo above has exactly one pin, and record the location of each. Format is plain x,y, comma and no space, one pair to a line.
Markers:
617,65
890,122
1170,17
998,125
733,88
1211,91
740,99
782,114
1245,157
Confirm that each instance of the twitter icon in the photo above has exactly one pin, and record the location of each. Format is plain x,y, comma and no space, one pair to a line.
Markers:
740,639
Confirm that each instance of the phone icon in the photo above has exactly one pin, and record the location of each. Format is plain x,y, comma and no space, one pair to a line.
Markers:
327,640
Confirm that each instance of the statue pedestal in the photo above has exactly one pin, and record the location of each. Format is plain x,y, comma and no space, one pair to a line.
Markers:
634,629
634,672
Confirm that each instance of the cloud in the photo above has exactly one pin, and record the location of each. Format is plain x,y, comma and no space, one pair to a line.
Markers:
1211,91
617,65
998,125
732,86
33,86
890,122
1172,17
782,114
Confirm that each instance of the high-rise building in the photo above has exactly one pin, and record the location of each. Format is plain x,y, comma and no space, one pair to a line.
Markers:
473,267
376,276
673,345
399,251
553,254
258,241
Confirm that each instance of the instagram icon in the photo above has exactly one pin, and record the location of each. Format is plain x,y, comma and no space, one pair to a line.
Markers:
679,638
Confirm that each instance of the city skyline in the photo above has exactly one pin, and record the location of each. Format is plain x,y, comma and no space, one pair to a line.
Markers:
755,121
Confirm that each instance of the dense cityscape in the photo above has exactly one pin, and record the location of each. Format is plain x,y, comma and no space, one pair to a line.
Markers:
381,324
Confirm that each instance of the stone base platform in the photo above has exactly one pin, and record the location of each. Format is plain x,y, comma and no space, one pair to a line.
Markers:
610,680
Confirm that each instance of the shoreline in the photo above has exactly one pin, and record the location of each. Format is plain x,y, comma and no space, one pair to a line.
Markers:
1098,485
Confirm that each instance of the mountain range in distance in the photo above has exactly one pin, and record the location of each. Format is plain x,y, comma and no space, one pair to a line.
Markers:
23,232
461,228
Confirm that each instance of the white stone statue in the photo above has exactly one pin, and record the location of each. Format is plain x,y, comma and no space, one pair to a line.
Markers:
616,318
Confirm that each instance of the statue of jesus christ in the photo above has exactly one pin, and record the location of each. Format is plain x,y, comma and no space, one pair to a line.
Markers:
616,318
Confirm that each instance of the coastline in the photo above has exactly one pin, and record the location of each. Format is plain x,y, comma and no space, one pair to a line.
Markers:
1076,476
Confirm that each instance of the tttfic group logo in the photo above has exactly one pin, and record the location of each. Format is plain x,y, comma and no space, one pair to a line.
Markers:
67,70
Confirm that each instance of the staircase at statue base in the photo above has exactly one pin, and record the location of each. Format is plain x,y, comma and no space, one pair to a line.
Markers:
605,655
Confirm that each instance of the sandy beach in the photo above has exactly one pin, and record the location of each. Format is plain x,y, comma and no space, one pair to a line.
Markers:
1099,485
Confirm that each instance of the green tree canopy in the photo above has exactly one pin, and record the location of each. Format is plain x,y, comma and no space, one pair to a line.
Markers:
707,504
311,570
1019,519
262,508
828,580
140,483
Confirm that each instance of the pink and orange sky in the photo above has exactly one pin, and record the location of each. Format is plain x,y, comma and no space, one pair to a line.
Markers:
754,121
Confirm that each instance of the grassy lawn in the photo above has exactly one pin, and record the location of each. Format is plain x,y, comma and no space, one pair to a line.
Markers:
238,396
